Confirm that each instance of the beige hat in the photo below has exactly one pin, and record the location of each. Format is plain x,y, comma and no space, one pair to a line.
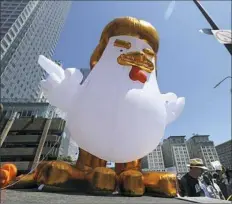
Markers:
197,163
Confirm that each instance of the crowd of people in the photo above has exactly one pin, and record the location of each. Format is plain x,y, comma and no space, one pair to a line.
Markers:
200,182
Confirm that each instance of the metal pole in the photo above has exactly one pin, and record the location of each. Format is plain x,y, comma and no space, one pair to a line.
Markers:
7,127
211,22
221,81
41,143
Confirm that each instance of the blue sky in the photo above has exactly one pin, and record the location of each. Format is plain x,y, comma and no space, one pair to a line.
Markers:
189,63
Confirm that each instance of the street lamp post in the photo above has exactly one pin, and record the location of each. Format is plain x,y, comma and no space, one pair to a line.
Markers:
211,22
222,81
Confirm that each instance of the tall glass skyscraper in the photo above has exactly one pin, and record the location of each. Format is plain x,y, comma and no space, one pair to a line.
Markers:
28,29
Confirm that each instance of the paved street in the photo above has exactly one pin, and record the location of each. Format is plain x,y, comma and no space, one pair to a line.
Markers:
35,197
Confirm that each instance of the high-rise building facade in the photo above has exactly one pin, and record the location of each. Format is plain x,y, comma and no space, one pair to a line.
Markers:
176,154
154,161
224,151
28,29
68,146
10,11
200,146
85,73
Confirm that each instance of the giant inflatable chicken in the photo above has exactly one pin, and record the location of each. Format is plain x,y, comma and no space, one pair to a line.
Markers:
118,114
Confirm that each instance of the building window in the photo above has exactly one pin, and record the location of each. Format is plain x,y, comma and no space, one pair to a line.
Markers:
15,28
24,113
18,24
12,33
2,50
13,65
29,113
4,43
28,9
26,12
6,78
23,16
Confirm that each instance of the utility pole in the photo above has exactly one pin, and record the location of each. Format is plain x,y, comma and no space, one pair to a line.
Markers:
211,22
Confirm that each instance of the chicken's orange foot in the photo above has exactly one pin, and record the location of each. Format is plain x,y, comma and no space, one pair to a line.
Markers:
102,181
160,184
54,175
131,183
61,175
24,181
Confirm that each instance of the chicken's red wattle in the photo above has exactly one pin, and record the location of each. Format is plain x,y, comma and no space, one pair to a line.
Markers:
136,74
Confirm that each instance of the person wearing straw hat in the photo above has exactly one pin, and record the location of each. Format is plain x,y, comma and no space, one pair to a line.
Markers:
189,183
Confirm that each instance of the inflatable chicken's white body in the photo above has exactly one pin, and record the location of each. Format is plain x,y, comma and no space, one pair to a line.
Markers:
110,115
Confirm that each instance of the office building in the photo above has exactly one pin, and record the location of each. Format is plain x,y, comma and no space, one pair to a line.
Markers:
24,109
22,125
10,11
224,152
28,109
144,164
154,161
85,73
110,165
176,154
28,29
200,146
68,146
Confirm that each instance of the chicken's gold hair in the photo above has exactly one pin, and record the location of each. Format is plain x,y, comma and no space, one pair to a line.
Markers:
126,26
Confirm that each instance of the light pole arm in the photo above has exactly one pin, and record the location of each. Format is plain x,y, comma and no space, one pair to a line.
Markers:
206,15
222,81
211,22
